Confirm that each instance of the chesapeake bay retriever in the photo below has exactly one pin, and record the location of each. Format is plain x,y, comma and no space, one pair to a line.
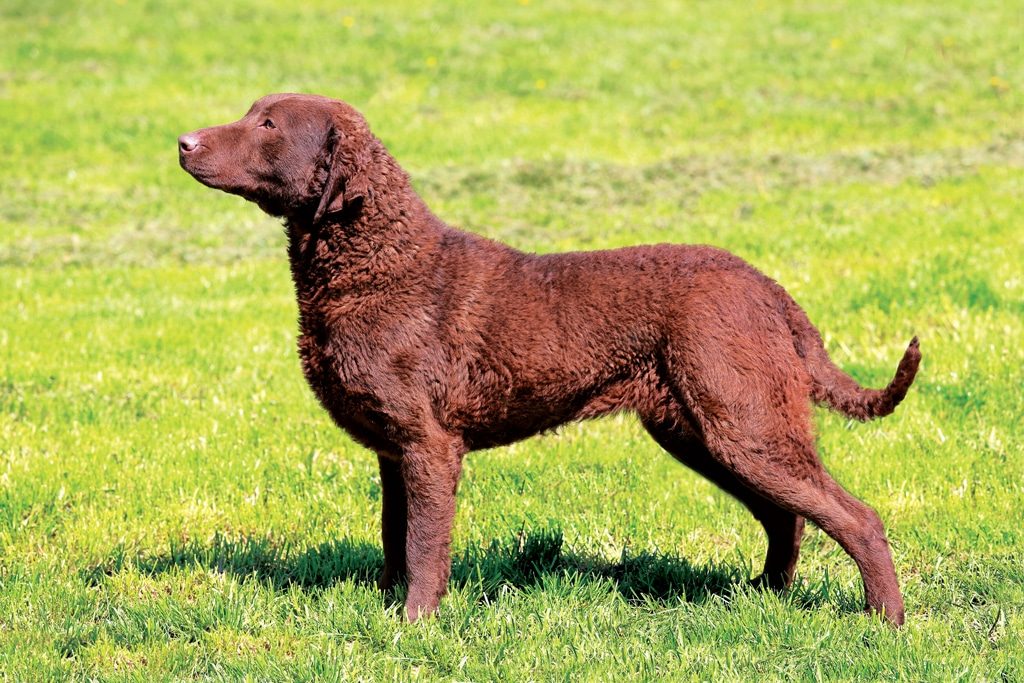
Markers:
424,342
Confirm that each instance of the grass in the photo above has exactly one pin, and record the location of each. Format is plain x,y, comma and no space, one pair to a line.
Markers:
174,504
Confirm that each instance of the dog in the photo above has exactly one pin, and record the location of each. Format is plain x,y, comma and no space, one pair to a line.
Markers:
425,342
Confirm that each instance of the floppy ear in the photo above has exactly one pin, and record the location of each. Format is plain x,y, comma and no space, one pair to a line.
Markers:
348,158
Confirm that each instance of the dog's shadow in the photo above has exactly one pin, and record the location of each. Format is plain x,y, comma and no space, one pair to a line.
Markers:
526,560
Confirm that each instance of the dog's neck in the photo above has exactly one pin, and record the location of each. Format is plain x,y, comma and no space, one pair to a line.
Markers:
376,243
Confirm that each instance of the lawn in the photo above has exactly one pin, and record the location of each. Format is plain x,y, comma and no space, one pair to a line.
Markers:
175,505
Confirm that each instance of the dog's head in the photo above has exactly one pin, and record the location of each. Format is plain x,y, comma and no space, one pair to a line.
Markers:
293,155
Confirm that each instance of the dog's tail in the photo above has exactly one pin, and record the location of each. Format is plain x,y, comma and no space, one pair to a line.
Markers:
833,387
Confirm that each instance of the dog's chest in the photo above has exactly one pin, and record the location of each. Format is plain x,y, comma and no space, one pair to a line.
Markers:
340,369
340,359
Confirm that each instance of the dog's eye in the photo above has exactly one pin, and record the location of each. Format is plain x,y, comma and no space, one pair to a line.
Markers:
268,124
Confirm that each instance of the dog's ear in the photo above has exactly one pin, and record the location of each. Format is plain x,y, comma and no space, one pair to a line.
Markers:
347,150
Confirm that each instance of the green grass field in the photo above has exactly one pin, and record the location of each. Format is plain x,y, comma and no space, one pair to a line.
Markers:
175,505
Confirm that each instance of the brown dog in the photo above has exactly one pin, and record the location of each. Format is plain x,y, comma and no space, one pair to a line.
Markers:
424,342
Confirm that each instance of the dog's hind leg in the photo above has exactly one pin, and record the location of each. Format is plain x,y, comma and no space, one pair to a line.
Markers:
784,528
809,491
731,362
772,453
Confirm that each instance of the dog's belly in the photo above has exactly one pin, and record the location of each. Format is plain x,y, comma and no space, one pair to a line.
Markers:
513,416
514,424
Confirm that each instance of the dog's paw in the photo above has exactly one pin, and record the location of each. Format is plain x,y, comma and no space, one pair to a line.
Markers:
772,582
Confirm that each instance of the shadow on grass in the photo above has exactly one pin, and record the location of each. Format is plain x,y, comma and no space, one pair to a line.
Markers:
523,561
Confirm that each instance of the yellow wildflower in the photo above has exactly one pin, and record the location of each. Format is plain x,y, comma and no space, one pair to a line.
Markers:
998,84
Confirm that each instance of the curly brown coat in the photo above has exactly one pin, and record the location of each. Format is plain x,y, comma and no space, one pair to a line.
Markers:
425,342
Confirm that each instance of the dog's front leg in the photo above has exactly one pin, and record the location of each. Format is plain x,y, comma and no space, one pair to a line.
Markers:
393,517
430,471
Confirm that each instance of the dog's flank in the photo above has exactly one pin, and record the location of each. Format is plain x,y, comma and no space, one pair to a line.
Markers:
424,342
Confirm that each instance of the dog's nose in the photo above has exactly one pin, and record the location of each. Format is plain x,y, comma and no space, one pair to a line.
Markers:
188,142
